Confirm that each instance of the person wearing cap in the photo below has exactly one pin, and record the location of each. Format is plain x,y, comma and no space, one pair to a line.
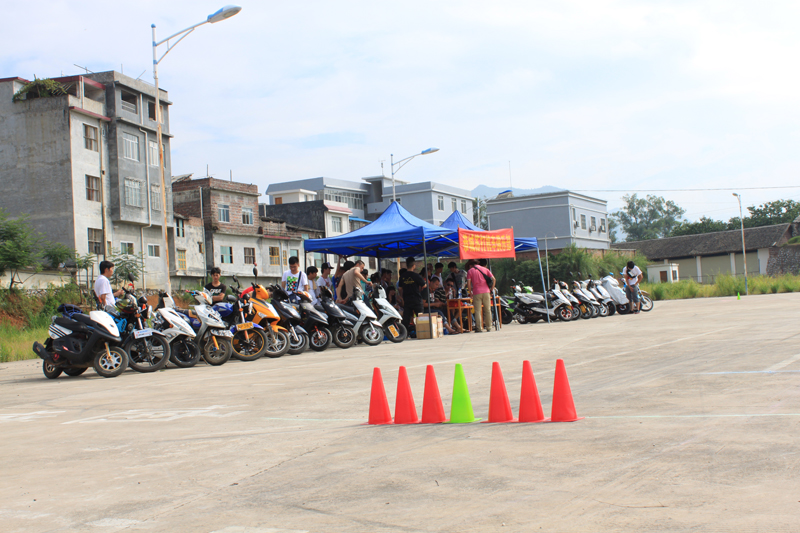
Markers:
632,275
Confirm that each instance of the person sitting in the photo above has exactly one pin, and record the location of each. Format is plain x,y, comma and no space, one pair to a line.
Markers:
438,303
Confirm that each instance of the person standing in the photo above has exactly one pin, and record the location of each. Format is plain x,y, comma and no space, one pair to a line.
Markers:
102,285
437,273
325,279
458,276
411,284
216,289
478,280
632,275
294,280
349,280
311,275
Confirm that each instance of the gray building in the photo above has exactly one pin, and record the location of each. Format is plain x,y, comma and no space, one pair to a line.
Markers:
557,219
89,161
367,199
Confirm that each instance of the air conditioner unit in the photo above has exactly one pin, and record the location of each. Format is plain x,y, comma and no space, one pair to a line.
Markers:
592,228
575,223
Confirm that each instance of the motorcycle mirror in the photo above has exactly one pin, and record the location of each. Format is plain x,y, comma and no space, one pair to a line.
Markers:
130,277
235,279
231,298
255,271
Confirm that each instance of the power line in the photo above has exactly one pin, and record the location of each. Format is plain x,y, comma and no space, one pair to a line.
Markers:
689,190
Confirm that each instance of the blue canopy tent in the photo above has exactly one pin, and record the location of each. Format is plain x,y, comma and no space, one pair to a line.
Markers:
457,220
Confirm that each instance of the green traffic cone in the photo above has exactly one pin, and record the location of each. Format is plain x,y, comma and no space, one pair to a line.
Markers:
461,409
738,297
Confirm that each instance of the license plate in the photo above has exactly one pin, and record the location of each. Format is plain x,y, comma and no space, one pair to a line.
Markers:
221,333
393,331
142,333
262,315
246,325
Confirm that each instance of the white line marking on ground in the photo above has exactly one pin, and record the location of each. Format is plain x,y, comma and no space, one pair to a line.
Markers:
785,362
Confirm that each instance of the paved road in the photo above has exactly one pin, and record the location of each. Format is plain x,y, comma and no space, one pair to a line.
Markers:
692,423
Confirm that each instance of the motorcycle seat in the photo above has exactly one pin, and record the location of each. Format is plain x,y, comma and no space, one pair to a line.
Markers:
349,309
533,297
80,317
319,308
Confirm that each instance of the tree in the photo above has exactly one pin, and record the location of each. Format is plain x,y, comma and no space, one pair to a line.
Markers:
20,246
56,254
479,216
39,88
612,228
775,212
704,225
651,217
125,264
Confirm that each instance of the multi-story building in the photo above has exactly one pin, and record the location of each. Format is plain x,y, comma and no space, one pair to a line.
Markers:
557,219
85,165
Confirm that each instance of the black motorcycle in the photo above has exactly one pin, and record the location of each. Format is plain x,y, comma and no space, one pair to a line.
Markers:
148,349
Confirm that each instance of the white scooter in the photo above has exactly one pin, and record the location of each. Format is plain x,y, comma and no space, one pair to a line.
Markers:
389,319
367,327
183,351
213,336
611,285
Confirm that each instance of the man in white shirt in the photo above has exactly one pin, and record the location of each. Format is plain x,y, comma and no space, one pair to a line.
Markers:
102,286
294,280
311,275
632,275
325,278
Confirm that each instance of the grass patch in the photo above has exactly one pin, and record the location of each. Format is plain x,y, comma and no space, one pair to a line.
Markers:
724,286
16,344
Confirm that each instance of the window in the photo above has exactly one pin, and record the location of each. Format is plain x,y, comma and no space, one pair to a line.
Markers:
318,259
285,260
226,255
372,263
353,200
151,111
602,225
464,206
95,241
224,213
454,204
133,192
130,146
274,255
249,256
180,227
294,253
441,203
583,221
155,197
153,250
92,188
129,101
90,138
152,153
278,200
126,248
593,224
201,247
247,216
400,201
337,224
180,257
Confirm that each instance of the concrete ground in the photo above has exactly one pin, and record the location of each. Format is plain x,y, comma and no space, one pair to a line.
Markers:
692,424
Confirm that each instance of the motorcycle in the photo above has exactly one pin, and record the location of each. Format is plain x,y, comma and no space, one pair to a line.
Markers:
213,336
265,314
341,323
249,341
148,349
291,319
78,341
183,350
367,327
391,321
532,307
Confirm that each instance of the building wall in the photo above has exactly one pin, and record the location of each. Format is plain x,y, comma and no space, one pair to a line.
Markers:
306,214
687,268
84,162
715,265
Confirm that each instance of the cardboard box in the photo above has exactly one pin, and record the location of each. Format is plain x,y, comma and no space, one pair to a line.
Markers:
424,329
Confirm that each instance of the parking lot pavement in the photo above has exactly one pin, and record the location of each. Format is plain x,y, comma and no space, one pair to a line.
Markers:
692,421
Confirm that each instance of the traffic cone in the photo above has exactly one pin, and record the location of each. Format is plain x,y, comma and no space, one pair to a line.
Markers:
405,412
461,410
563,408
378,403
432,407
499,406
530,405
738,296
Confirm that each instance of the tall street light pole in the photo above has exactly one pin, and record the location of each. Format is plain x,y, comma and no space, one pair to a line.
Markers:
403,162
547,257
744,253
221,14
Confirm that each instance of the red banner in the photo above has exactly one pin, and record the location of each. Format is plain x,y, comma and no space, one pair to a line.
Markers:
486,244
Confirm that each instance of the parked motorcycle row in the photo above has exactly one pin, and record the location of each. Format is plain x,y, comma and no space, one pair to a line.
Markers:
252,323
587,299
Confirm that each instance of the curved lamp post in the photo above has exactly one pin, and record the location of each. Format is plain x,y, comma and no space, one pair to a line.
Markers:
744,253
547,257
221,14
403,162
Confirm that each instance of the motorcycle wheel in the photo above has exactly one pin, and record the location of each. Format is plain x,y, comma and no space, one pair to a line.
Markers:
371,335
576,313
50,370
344,337
111,364
508,317
75,371
249,344
595,311
586,312
612,309
402,332
603,310
564,313
184,353
299,346
219,354
647,303
277,344
623,309
320,339
148,354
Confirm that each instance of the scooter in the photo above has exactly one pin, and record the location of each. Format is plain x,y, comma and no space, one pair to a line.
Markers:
341,323
390,320
213,336
602,296
563,288
291,319
367,326
183,350
532,307
82,341
148,349
249,339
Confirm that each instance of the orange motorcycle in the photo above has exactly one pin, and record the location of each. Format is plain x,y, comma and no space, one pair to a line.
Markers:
265,315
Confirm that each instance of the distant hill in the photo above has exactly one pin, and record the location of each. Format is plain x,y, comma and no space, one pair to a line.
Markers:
491,192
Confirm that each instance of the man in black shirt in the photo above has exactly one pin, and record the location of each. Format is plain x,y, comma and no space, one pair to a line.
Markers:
215,288
411,283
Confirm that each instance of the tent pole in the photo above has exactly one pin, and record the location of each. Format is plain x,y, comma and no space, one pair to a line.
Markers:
427,283
543,285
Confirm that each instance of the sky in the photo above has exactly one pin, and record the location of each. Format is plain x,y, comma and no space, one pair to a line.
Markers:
592,95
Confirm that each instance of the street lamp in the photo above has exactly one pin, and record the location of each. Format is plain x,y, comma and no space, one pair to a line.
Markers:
547,258
404,161
221,14
744,253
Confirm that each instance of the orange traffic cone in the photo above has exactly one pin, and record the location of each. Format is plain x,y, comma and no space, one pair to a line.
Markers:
499,406
378,403
563,409
432,407
405,412
530,405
